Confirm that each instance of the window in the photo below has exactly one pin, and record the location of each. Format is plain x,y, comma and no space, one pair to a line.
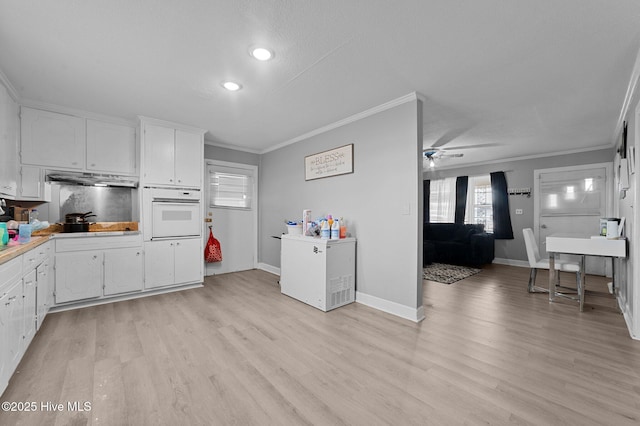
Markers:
480,209
442,200
230,190
479,205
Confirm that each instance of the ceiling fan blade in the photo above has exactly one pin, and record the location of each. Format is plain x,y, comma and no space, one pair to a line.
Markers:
481,145
448,137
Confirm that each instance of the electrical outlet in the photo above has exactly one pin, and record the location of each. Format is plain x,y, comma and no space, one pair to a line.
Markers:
518,211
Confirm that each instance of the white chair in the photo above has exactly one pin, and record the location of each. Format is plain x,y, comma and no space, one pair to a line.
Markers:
537,263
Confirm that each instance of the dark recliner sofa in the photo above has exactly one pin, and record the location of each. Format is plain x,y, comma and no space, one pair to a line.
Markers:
457,244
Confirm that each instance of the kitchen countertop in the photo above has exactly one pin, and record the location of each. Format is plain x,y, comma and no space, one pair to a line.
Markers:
57,228
11,252
93,234
100,229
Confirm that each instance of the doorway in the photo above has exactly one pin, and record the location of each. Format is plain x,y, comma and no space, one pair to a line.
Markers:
572,200
231,201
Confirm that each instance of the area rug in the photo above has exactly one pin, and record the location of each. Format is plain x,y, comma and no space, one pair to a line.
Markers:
447,274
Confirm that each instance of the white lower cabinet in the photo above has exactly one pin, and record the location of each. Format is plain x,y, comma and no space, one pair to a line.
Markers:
123,271
10,331
93,267
78,276
15,323
173,262
29,319
11,319
44,291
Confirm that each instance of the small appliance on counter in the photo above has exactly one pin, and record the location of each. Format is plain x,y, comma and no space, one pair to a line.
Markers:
611,227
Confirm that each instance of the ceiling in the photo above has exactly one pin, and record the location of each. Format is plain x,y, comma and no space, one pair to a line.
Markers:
500,79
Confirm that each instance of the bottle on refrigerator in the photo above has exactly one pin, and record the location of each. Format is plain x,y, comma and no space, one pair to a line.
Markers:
343,228
335,229
325,231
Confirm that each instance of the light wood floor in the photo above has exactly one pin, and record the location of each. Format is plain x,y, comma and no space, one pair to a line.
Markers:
239,352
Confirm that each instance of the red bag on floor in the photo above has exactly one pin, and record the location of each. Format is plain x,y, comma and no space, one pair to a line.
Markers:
212,251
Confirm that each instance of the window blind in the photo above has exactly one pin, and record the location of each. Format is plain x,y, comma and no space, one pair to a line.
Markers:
230,190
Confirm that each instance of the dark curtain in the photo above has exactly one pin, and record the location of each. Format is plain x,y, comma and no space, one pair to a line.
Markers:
502,229
426,191
462,182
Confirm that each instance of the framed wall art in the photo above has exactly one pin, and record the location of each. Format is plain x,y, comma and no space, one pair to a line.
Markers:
334,162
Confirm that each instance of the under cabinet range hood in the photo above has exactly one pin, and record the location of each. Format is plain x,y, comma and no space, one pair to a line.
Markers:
92,179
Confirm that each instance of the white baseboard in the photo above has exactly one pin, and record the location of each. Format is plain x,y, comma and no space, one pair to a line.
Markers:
415,315
402,311
624,308
269,268
145,293
511,262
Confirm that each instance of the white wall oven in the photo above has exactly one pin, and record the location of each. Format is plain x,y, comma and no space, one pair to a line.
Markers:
171,213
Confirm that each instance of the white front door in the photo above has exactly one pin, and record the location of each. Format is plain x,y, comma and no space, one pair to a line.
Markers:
231,205
572,200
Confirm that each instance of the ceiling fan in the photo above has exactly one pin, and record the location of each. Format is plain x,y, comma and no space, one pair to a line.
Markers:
433,154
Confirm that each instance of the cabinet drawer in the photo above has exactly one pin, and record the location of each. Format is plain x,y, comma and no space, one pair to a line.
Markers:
9,273
98,243
34,257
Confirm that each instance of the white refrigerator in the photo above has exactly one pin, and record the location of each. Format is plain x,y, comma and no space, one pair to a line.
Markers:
318,272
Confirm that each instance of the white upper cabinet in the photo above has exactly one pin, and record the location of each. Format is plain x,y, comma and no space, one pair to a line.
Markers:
63,141
159,148
111,147
9,127
172,156
188,161
52,139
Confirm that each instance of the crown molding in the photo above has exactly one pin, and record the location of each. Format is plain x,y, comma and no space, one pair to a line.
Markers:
233,147
356,117
12,90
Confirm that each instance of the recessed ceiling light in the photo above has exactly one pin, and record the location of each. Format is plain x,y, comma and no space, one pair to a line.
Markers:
261,53
231,86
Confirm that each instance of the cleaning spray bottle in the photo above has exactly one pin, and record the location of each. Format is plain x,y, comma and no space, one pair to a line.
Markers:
325,231
335,230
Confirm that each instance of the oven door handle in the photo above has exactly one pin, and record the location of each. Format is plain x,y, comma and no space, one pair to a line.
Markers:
174,200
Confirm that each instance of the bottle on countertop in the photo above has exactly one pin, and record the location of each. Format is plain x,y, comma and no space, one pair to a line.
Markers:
335,230
33,215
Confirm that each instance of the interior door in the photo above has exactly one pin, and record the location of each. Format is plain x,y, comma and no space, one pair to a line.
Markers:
572,200
231,206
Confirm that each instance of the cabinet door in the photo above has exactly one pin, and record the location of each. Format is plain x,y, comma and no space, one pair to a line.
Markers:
29,307
30,183
189,257
5,354
78,276
111,147
9,125
159,263
49,298
189,159
123,271
159,151
42,293
52,139
15,321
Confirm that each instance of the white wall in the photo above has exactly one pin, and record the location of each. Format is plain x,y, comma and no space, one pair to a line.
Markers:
628,277
381,202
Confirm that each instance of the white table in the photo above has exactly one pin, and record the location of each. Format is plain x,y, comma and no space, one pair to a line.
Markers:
583,246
